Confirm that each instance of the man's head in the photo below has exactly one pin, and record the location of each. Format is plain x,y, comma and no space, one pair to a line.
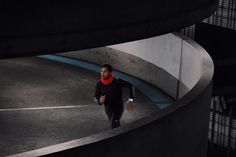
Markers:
106,69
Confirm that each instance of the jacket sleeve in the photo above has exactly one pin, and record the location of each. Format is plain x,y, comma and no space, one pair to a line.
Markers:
97,95
127,84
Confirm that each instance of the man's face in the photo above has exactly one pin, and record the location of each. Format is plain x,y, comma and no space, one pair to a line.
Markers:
104,73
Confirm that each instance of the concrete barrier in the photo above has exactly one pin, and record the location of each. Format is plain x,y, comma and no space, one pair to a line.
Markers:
181,68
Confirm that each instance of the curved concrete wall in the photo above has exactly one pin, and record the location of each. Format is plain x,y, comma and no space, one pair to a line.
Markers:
161,51
164,51
179,130
40,27
170,52
166,61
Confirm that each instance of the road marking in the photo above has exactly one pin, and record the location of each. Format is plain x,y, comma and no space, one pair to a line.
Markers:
44,108
70,106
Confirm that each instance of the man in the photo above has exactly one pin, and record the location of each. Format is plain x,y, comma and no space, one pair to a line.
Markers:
108,92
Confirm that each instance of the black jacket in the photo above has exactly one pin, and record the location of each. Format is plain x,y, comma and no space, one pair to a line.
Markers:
113,91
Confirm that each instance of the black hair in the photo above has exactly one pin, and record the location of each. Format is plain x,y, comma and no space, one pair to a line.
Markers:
108,66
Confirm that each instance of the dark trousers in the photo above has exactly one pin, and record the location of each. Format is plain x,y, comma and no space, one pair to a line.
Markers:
114,114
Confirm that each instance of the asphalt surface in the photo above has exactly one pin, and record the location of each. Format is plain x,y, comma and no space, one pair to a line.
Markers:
43,102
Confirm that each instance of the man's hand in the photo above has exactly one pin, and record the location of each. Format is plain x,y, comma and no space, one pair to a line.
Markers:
102,99
129,104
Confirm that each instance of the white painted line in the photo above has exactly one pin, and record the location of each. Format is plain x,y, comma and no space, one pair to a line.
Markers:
45,108
65,107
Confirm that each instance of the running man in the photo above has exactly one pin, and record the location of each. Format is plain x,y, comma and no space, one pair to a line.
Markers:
108,92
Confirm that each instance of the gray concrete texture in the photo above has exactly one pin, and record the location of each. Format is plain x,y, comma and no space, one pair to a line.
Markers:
36,82
174,54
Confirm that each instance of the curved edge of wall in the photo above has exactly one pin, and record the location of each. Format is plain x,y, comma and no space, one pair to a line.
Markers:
178,130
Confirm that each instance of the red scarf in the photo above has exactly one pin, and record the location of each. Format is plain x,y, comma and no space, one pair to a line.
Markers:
108,80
